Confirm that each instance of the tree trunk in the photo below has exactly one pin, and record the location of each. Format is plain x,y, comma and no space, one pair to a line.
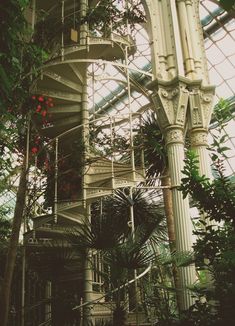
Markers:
12,251
168,206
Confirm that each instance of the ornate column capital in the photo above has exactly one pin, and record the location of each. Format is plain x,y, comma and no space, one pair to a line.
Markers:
198,137
174,135
170,99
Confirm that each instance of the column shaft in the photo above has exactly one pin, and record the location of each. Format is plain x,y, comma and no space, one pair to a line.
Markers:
201,151
171,102
183,225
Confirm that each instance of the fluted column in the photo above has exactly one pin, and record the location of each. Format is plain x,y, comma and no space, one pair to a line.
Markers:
201,106
183,225
171,101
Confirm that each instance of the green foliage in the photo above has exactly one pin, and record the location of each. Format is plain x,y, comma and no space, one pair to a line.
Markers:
55,260
158,293
103,234
109,233
129,255
222,113
151,139
20,59
19,56
216,198
110,14
5,233
227,4
214,248
5,224
179,259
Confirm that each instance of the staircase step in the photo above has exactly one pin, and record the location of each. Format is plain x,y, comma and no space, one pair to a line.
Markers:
70,205
53,79
92,194
60,125
72,97
42,219
64,109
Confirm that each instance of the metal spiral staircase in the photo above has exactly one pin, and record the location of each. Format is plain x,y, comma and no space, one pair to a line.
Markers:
64,79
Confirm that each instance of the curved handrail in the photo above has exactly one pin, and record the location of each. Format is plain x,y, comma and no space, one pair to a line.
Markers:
124,117
115,290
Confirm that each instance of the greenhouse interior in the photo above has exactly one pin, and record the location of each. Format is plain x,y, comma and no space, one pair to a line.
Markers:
117,200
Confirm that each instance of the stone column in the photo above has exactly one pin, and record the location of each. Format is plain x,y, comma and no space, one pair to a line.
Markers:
201,106
171,101
183,224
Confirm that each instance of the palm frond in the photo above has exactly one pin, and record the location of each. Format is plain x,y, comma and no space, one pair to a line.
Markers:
152,141
180,259
55,260
101,234
130,255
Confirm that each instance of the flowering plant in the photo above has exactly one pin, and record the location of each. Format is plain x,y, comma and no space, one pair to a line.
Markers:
41,106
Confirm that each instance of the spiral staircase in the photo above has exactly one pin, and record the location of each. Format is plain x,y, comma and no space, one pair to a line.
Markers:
64,79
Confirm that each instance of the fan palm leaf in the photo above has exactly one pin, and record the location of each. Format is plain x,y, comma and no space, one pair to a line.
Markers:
100,234
55,260
108,227
129,257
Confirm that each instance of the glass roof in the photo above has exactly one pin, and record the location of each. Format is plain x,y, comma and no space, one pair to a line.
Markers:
219,34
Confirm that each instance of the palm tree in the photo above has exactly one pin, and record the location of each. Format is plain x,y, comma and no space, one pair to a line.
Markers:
109,233
59,263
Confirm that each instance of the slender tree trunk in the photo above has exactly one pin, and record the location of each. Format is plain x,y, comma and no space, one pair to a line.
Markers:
12,251
168,206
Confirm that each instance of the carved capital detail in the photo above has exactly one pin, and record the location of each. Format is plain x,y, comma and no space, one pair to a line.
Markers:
199,138
174,135
171,101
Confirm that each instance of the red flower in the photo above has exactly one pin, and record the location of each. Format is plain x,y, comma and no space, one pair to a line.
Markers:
49,99
41,99
44,113
51,105
33,97
38,108
34,150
